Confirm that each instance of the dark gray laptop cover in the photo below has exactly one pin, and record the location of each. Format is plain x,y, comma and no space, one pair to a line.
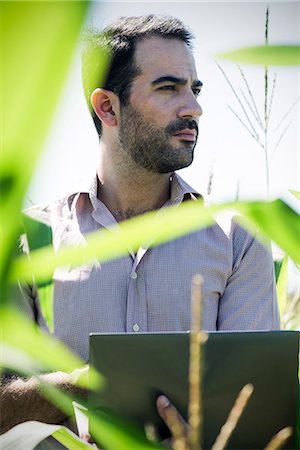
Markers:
138,367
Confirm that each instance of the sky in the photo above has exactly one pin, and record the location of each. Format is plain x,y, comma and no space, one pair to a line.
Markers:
224,146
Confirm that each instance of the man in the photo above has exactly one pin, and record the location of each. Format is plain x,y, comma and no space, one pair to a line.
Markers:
146,115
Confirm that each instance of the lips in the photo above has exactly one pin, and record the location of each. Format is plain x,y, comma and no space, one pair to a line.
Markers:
186,134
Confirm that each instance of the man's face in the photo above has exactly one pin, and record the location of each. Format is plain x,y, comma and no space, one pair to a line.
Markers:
158,128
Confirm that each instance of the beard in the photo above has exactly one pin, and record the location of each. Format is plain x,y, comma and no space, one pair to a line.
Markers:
150,146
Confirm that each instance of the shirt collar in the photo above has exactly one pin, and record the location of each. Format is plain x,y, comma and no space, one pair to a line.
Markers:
180,191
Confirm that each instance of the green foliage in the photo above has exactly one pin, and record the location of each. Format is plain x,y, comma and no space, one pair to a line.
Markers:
20,333
39,235
295,193
70,440
107,430
276,55
37,43
28,434
156,228
38,39
282,284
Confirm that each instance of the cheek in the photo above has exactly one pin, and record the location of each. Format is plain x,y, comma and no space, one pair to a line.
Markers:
158,112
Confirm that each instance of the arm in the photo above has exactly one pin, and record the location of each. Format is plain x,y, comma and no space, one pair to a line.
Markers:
249,301
21,399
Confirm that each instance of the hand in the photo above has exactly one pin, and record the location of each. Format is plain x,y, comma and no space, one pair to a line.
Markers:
174,421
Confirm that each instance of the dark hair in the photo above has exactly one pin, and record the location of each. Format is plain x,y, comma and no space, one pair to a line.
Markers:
112,51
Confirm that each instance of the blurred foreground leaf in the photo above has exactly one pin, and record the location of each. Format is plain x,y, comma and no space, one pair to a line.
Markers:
37,43
20,333
275,220
277,55
295,193
282,284
106,430
39,235
26,349
28,435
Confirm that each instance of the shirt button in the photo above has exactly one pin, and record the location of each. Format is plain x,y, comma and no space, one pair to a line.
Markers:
134,275
136,327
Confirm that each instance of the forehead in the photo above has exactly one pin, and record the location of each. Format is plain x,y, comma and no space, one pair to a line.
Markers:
157,57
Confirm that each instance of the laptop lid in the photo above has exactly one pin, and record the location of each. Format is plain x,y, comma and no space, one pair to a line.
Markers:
139,367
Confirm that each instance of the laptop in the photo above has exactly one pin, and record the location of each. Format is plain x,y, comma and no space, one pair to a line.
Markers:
140,367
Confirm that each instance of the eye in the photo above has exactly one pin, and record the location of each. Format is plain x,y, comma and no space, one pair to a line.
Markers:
168,87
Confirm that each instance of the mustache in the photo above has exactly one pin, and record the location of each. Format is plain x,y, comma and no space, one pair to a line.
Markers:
179,125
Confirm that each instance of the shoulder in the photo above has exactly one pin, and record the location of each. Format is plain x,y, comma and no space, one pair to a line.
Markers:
242,241
46,212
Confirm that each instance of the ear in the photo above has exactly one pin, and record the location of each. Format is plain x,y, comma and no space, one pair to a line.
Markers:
105,104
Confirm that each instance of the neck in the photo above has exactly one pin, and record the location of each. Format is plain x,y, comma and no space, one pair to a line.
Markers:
128,190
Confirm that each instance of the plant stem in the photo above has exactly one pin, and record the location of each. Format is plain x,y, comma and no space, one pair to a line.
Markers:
266,106
195,366
233,418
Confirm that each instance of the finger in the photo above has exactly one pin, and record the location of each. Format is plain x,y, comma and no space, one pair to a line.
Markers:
171,417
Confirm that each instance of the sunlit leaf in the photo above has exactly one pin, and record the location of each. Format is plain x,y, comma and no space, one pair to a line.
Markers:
275,219
95,61
111,432
70,440
19,361
281,286
295,193
115,433
23,341
39,235
28,434
277,55
37,43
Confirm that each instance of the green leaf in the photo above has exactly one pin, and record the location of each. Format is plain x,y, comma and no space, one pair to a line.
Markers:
106,429
282,284
295,193
277,55
39,235
70,440
276,220
27,350
19,361
37,43
113,433
21,340
28,435
46,296
277,267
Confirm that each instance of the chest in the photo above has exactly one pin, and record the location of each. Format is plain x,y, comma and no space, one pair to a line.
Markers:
149,291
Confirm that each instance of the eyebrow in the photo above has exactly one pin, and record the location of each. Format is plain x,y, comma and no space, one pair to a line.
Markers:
180,81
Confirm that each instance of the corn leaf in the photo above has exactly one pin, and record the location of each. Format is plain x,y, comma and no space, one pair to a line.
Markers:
276,220
295,193
29,434
70,440
106,429
282,284
37,43
26,349
276,55
277,267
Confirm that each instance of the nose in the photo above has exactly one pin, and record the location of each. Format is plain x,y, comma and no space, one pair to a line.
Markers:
190,108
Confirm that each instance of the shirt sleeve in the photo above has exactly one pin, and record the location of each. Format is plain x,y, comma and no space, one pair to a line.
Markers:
249,300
